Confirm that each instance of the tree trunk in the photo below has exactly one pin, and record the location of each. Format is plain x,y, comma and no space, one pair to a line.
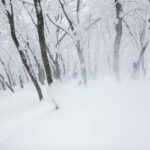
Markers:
21,82
117,41
41,74
40,28
3,80
3,85
57,71
82,62
136,65
6,71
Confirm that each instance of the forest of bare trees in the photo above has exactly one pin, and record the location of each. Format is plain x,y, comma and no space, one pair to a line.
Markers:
46,40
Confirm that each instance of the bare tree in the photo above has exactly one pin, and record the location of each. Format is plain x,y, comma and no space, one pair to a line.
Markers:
40,28
10,16
78,42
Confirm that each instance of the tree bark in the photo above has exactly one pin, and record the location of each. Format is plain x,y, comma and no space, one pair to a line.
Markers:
21,82
40,28
6,71
5,83
41,74
136,65
117,41
82,62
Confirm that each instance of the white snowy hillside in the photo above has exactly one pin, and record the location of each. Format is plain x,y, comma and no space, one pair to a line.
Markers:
74,74
104,116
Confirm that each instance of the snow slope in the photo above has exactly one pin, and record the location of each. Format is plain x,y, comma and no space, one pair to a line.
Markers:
104,116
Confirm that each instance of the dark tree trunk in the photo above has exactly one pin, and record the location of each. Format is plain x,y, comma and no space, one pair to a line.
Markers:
21,82
55,66
6,71
9,79
57,71
40,28
117,41
5,83
26,75
41,74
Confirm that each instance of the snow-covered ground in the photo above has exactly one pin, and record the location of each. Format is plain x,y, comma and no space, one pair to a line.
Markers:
103,116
